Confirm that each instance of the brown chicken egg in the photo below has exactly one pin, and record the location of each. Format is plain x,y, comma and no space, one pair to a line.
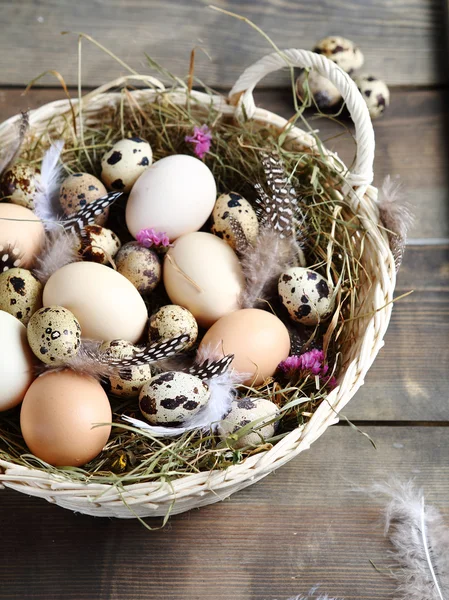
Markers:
21,231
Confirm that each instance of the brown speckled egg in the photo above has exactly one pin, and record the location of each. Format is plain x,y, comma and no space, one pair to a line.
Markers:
341,51
54,335
18,185
375,93
128,382
20,293
245,411
234,206
171,398
141,266
173,320
125,162
98,244
323,91
306,295
79,190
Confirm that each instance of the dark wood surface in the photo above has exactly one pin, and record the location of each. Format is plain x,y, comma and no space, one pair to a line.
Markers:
303,525
402,39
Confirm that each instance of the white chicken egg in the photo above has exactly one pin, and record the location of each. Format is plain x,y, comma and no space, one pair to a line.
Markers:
306,295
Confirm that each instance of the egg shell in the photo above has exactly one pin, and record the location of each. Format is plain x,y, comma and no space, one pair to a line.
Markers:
203,274
19,184
141,266
54,335
245,411
98,244
172,397
170,321
128,382
106,304
257,338
20,293
375,93
125,162
341,51
176,195
80,189
324,92
306,295
21,229
58,415
234,206
16,361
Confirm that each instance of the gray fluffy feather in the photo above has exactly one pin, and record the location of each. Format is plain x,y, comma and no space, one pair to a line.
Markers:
396,216
61,248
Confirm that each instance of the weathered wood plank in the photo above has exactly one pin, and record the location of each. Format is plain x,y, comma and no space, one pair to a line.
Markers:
412,141
402,39
319,532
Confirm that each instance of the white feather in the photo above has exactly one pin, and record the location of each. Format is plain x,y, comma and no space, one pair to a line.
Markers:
219,404
46,200
60,249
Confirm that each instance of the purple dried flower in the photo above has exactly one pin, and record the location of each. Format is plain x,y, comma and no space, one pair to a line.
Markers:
150,237
309,363
201,139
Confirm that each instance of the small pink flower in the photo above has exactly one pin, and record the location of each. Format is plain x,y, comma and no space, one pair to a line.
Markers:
150,237
309,363
201,139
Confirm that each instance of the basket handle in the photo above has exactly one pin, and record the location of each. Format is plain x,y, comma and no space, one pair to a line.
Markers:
362,174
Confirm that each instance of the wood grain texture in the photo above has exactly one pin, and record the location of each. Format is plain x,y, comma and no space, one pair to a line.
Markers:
298,527
412,141
402,39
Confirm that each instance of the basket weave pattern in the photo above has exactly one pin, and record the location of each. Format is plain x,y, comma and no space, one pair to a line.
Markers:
192,491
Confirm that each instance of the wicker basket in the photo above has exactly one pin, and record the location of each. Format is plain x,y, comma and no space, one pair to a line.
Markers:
192,491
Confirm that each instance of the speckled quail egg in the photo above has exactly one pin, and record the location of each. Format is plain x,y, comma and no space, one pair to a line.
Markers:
98,244
323,91
173,320
234,206
140,265
125,162
128,382
20,293
54,335
171,398
245,411
341,51
18,185
375,93
80,189
306,295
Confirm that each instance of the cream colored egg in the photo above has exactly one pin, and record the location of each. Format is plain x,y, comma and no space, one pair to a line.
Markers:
20,293
16,361
245,411
125,162
341,51
203,274
80,189
127,382
171,321
323,91
19,185
21,230
141,266
171,398
175,196
54,335
233,206
375,93
106,304
98,244
306,295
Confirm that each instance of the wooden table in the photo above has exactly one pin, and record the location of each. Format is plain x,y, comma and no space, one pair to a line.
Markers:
304,524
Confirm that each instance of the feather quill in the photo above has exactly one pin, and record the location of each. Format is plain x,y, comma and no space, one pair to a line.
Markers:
8,157
46,200
60,249
396,216
421,542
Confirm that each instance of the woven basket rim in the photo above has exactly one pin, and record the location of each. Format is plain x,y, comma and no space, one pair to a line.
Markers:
192,490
